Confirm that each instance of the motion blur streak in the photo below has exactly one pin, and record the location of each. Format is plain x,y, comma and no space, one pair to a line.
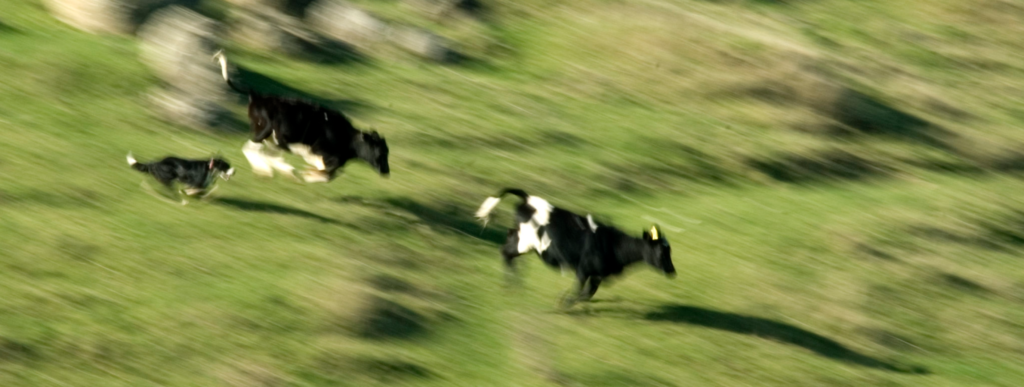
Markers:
839,181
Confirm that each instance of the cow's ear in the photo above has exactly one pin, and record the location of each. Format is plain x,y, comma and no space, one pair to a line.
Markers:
647,236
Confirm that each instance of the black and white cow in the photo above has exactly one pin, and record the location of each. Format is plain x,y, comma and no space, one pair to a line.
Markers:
323,137
568,241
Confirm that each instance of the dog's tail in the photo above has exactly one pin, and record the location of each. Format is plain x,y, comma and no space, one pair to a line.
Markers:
491,202
220,57
141,167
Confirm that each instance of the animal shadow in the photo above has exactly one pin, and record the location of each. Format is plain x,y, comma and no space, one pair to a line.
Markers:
4,27
263,84
451,216
247,205
448,216
822,166
228,122
865,114
773,330
331,52
386,319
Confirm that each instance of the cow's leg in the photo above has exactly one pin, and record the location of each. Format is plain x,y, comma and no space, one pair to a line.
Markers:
307,154
265,159
332,166
193,191
585,286
572,295
509,251
257,158
318,174
254,148
590,288
276,159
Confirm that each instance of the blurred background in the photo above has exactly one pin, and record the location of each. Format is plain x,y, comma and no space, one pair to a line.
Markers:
839,181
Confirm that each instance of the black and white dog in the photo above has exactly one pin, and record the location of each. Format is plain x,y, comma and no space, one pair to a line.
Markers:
565,240
323,137
195,175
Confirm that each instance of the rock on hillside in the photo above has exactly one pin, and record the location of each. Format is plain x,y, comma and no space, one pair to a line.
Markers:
109,16
343,21
178,45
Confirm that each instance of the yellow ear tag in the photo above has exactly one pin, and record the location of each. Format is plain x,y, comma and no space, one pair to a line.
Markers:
654,233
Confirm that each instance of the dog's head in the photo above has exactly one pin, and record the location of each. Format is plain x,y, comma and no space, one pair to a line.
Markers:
375,151
221,168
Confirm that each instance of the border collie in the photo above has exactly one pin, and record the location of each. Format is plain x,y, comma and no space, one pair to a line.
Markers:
195,175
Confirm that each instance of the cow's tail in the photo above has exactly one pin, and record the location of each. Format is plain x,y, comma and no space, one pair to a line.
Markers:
136,165
223,60
491,202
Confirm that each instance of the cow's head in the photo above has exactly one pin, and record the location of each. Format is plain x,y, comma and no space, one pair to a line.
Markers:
221,168
374,150
658,252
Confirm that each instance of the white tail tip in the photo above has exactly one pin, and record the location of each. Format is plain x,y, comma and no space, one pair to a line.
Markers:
486,207
219,56
131,160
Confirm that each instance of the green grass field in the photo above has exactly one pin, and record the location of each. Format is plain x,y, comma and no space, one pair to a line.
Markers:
844,245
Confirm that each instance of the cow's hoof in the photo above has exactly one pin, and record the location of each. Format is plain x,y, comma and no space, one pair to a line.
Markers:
315,177
567,302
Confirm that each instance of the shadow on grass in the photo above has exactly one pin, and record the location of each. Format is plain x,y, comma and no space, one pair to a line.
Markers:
506,142
1005,233
865,114
962,284
830,165
257,82
774,330
67,197
608,378
344,369
328,51
227,122
11,350
247,205
669,161
4,27
449,216
386,319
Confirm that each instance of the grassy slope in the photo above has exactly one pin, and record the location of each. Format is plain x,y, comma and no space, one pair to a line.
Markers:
599,106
